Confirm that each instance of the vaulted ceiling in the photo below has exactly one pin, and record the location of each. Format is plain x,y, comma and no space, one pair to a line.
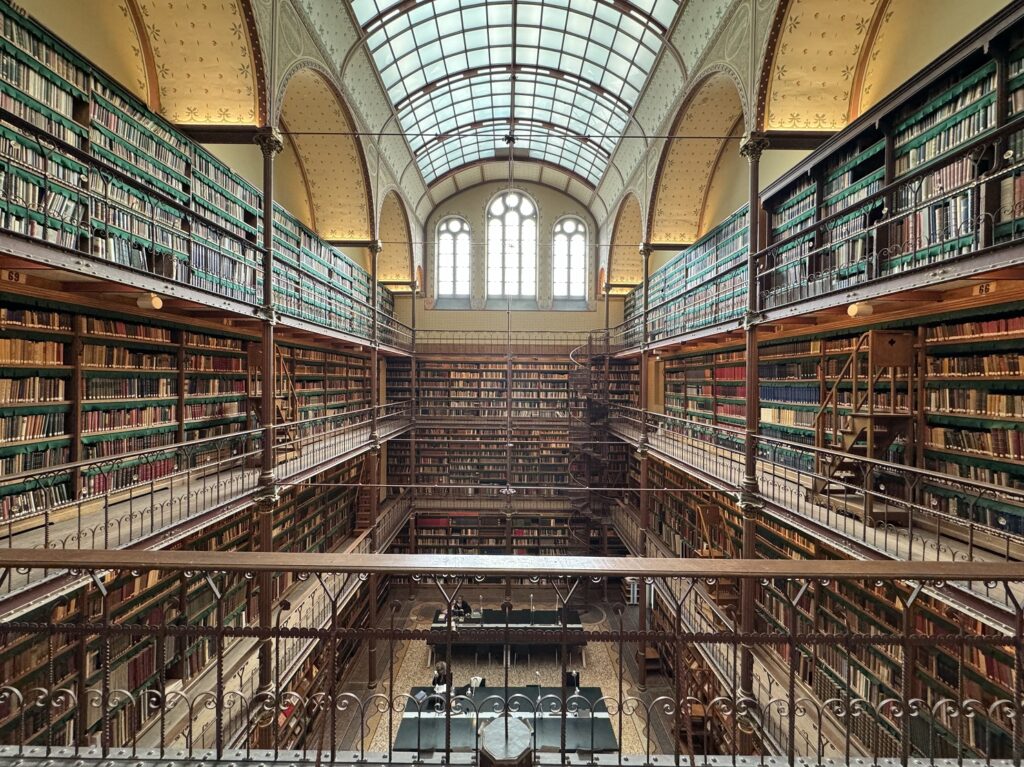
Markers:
560,76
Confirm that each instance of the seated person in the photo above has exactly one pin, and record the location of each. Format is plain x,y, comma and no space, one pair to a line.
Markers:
440,675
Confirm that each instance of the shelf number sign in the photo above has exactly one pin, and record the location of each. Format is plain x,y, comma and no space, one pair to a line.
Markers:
11,276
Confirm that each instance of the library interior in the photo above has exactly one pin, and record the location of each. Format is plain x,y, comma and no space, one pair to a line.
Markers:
646,383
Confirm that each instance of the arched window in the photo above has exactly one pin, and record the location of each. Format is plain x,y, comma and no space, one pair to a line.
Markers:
453,257
569,259
512,246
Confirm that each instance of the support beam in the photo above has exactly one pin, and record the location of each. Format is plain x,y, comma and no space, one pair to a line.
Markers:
224,134
270,144
751,149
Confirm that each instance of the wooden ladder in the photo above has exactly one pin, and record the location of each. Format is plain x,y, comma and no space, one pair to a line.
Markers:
286,404
866,427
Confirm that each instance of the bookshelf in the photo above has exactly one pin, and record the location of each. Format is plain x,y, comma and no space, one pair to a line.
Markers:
79,386
477,388
709,524
86,166
830,225
703,285
309,518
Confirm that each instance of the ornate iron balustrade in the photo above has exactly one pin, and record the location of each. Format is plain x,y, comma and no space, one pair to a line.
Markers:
66,713
908,519
201,477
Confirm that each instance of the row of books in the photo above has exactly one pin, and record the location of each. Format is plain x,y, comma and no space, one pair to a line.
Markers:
98,388
977,366
123,357
24,350
21,427
32,389
995,442
976,329
11,316
123,418
980,402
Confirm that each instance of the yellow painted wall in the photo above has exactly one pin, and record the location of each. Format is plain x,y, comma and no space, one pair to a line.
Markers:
100,32
915,33
728,189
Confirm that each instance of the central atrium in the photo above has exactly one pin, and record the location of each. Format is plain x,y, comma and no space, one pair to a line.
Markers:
511,383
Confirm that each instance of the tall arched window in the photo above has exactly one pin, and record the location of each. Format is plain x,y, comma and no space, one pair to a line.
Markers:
453,257
512,246
569,259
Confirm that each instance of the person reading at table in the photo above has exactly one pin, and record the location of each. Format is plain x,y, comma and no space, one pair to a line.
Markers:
440,675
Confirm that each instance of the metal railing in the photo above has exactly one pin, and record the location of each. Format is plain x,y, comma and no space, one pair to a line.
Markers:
907,520
911,710
195,478
887,233
119,223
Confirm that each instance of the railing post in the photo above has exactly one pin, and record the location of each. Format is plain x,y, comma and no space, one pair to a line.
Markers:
270,143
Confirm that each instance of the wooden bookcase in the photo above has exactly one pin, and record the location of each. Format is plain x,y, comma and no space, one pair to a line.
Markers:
79,386
86,166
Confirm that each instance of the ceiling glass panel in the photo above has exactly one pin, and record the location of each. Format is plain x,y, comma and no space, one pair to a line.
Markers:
561,75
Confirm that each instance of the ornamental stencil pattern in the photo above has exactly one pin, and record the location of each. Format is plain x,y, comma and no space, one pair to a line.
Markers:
626,265
203,59
332,160
816,63
395,258
691,158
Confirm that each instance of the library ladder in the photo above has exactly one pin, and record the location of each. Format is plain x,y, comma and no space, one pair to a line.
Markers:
286,406
865,412
364,500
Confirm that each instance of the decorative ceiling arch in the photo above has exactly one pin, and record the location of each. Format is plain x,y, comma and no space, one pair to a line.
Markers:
533,171
463,76
700,135
193,61
395,262
321,130
830,60
625,266
808,78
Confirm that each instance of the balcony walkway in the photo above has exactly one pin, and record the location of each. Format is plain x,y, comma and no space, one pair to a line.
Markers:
155,515
785,492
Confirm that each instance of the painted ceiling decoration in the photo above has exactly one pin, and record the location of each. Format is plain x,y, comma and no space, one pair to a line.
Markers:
625,265
204,59
560,75
395,260
321,130
688,162
836,58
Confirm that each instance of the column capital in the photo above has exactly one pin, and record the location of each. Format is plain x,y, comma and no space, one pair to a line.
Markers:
267,499
753,145
645,250
749,503
376,247
270,142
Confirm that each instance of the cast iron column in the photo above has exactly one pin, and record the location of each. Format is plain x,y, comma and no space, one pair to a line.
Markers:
750,505
374,459
270,144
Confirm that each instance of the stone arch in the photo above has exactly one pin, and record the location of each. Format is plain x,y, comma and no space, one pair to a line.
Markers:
701,133
625,266
395,262
320,127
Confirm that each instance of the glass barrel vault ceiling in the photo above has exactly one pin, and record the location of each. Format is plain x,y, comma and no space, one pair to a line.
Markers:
573,69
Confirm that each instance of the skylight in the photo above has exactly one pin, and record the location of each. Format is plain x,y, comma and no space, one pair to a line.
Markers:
573,69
